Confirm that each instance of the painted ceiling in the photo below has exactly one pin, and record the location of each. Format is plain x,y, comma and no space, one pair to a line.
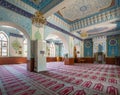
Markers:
77,9
72,10
42,5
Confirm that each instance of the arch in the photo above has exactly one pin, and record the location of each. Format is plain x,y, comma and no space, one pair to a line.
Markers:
62,37
23,31
4,34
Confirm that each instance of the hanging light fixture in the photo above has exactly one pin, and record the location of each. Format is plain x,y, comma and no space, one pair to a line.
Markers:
38,19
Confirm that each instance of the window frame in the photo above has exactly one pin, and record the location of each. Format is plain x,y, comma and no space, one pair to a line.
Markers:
25,43
2,46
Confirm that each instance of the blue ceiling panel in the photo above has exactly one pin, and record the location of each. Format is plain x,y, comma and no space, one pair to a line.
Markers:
39,5
42,5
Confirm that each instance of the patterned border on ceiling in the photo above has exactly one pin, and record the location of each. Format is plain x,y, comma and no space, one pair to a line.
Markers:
38,6
44,5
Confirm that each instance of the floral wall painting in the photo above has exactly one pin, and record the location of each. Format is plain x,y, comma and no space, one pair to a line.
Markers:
99,44
38,35
16,46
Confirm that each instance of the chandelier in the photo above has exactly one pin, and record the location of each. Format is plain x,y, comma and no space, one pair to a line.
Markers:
38,19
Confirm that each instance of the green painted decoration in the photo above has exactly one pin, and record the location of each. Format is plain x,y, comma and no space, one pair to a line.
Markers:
37,35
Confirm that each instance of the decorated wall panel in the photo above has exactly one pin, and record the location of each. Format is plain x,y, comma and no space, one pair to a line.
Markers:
37,33
99,44
88,48
113,45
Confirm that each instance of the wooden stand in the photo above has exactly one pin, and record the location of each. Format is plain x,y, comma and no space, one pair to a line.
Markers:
99,57
30,65
69,61
117,60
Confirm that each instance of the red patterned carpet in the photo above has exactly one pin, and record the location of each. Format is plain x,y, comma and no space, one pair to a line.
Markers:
59,79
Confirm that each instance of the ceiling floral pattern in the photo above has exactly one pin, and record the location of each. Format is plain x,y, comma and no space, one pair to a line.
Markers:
77,9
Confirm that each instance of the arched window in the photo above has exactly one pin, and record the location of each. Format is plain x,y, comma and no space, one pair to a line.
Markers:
25,47
3,44
52,50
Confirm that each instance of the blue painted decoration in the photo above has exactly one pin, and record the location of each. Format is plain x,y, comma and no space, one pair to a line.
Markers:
88,48
39,5
83,8
100,48
16,35
113,46
43,5
113,42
